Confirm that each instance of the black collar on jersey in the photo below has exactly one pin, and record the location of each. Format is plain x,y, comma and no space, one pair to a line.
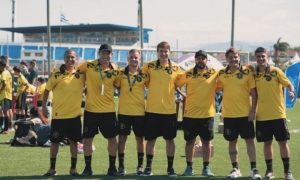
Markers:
109,65
126,70
240,69
195,69
267,70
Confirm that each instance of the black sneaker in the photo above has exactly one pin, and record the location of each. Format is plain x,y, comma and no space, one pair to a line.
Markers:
112,171
171,173
87,172
139,171
50,173
147,172
121,171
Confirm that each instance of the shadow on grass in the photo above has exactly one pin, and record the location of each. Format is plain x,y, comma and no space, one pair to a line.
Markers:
129,176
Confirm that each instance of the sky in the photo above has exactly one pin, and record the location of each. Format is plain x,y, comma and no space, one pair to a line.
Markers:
183,23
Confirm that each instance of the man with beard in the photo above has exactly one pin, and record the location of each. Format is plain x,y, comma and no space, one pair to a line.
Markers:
271,115
198,118
238,110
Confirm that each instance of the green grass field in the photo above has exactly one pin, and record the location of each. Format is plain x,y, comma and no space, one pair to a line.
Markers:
32,162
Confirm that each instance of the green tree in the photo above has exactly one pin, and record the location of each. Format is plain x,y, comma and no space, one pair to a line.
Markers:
278,48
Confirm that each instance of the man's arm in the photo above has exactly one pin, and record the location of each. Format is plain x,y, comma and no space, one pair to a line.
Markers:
252,113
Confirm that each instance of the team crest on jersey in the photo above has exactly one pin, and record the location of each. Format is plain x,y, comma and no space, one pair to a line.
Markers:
268,78
77,74
239,75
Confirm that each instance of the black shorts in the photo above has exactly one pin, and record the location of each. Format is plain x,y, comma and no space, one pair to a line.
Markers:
265,130
192,127
21,101
233,127
160,125
6,104
106,123
66,128
126,122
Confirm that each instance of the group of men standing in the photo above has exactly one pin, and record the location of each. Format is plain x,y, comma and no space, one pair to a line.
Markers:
248,94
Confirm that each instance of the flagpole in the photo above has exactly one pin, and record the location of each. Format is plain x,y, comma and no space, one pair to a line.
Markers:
49,36
140,23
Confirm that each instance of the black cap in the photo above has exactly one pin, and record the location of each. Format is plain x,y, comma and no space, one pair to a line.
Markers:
105,47
260,49
201,53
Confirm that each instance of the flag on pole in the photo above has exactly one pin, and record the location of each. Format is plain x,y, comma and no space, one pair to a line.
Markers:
63,19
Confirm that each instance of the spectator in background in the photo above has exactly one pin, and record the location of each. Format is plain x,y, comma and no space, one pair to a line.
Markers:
5,97
21,93
40,91
271,115
33,72
67,87
24,69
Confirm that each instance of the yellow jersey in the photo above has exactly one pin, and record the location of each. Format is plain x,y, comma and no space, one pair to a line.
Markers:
100,86
236,87
7,79
200,92
67,91
161,88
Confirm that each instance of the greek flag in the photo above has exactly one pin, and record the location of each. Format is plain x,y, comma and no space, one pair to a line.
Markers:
293,73
63,19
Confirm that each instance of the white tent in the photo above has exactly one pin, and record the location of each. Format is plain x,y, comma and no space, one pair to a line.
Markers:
187,61
270,61
295,59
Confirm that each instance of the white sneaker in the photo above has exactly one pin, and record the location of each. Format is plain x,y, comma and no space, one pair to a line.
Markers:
235,173
23,141
288,176
254,174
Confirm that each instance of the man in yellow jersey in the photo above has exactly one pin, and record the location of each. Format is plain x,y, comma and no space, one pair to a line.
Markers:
5,97
131,111
199,112
238,110
161,110
21,95
271,115
67,87
99,112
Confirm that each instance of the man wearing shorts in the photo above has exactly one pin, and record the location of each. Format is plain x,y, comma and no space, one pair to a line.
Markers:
131,111
199,111
99,114
67,87
238,86
161,119
271,115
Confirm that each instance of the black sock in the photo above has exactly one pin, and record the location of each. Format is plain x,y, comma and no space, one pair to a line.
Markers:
1,121
235,165
140,159
189,163
17,116
73,162
170,162
112,161
205,164
149,158
269,164
121,160
52,163
88,162
6,124
253,165
286,164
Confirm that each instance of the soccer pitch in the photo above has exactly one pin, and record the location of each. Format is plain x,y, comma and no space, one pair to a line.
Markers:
32,162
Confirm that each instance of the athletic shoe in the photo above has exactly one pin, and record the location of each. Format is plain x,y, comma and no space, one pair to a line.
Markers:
207,172
147,172
188,171
22,140
121,171
254,174
139,171
112,171
49,173
269,175
73,172
87,172
171,173
288,176
235,173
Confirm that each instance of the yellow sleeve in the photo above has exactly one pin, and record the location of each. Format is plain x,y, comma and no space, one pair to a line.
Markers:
282,78
82,67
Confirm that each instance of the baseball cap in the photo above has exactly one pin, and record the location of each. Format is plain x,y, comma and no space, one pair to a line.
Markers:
201,53
260,49
105,47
